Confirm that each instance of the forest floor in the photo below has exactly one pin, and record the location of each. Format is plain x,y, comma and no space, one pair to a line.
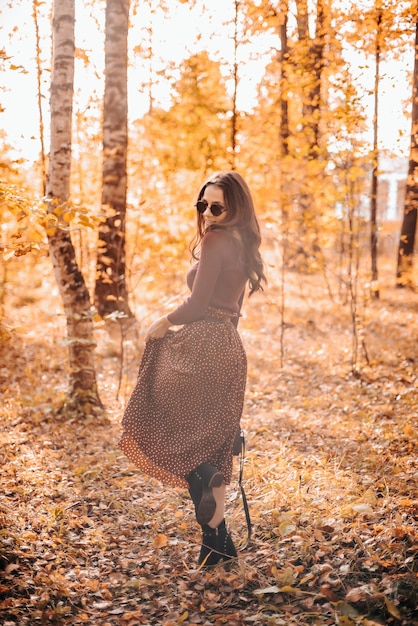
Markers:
330,476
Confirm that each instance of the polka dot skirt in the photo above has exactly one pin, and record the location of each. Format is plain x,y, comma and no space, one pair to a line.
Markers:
187,403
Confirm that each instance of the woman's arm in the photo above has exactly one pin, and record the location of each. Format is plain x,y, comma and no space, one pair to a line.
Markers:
210,266
194,308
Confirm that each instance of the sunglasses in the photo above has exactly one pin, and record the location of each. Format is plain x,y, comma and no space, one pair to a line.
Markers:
216,209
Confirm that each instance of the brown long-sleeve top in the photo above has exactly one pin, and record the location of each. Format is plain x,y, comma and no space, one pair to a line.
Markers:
217,280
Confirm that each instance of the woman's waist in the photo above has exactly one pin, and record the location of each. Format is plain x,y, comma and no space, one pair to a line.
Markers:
220,315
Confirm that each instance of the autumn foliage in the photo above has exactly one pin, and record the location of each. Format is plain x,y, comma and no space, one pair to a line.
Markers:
332,398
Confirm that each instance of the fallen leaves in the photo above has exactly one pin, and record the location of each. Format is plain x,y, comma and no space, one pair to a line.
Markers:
361,506
330,474
160,541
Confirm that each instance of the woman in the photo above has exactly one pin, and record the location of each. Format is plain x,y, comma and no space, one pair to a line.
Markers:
184,413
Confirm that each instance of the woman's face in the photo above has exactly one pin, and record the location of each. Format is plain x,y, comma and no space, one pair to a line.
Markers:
213,195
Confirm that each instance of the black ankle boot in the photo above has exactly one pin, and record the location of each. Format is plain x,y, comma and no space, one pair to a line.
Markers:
217,546
195,491
201,481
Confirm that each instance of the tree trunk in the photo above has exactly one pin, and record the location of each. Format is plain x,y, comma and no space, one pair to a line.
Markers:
373,195
283,60
314,105
409,223
111,293
39,84
285,174
310,59
314,63
234,118
82,395
302,20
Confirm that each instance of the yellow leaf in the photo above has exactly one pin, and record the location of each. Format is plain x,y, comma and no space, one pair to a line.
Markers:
408,430
131,615
392,609
356,508
289,589
287,527
362,508
345,610
369,497
29,536
93,585
183,617
406,502
160,541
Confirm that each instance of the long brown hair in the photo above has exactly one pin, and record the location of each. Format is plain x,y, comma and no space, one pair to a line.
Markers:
240,218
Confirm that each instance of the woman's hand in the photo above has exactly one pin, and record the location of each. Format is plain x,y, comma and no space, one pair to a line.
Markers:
158,329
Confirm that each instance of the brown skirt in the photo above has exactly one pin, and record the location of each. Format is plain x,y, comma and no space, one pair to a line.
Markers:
187,403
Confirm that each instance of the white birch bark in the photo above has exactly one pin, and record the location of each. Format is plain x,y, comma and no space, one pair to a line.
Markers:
82,396
111,293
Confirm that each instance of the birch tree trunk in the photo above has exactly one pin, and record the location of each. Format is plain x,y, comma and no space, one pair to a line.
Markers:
409,223
111,293
82,395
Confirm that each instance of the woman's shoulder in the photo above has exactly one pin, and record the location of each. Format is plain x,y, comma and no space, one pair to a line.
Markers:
221,235
222,242
214,237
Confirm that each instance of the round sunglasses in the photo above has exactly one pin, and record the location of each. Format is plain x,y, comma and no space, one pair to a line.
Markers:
215,208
